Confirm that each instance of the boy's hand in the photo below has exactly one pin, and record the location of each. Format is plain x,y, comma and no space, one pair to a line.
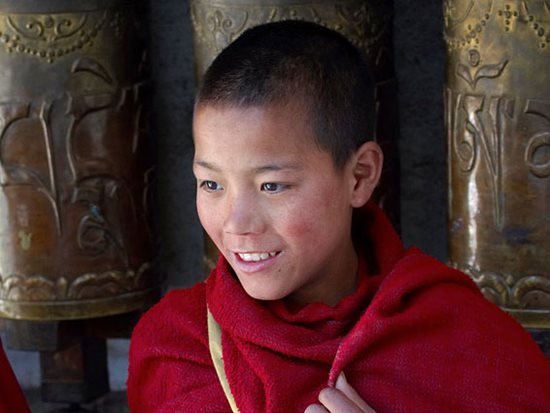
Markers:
341,399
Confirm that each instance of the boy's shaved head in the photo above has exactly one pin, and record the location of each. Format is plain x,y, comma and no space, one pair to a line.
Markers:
295,61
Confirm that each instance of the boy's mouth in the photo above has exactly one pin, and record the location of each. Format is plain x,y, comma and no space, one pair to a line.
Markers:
256,256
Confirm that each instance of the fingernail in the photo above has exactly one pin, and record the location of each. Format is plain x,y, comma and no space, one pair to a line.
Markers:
341,380
325,394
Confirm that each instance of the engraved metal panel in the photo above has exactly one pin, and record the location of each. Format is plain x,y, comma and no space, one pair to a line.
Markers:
74,167
367,24
498,130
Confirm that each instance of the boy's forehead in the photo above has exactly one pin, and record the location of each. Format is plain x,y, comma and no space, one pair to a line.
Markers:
268,137
278,116
289,119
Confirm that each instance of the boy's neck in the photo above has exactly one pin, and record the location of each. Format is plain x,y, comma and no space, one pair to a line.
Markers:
333,290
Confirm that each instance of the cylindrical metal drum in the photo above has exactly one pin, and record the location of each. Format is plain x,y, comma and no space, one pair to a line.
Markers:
498,127
74,168
366,23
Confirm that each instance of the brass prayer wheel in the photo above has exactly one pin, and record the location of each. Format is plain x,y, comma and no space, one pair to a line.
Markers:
366,23
74,167
498,130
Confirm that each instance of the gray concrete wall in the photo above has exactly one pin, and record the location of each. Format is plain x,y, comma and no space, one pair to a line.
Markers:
419,62
180,258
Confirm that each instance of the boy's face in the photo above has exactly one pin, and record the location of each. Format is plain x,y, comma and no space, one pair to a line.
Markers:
273,202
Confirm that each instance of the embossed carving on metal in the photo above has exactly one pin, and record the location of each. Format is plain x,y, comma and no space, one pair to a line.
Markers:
74,167
498,129
367,24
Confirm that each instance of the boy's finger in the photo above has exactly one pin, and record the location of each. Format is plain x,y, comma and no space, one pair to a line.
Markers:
337,402
315,408
343,385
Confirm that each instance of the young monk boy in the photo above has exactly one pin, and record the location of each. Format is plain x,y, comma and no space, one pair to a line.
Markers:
314,304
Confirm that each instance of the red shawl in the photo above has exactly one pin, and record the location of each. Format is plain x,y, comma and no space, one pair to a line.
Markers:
11,397
416,336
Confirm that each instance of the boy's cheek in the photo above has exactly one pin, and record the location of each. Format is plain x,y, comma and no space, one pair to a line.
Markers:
309,219
298,230
303,225
207,217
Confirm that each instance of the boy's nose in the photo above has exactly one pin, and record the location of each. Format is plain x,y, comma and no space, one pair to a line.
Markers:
243,216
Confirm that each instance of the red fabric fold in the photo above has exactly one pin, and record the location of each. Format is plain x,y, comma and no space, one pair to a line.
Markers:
415,336
11,396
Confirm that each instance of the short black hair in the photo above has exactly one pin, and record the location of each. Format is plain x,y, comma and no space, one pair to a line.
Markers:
278,62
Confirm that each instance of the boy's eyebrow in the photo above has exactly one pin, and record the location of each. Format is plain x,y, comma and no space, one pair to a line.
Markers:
259,169
277,167
206,165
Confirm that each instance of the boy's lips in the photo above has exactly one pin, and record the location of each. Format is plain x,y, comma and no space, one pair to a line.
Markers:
254,261
256,256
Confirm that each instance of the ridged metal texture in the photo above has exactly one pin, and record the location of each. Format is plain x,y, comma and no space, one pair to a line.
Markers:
74,168
498,126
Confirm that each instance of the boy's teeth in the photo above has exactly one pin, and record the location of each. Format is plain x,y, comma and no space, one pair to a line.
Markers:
256,256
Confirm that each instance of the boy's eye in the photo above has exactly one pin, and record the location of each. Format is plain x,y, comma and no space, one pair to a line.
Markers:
272,187
211,186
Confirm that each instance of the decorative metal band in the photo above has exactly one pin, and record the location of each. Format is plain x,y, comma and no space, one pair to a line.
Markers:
60,6
50,36
506,15
498,129
79,309
526,298
85,286
510,290
217,23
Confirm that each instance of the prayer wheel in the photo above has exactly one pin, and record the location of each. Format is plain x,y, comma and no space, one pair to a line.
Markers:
366,23
498,130
74,160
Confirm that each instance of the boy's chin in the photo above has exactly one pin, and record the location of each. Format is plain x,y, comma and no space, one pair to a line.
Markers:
263,295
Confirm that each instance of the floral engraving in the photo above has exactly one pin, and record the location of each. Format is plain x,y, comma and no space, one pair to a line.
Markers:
50,36
366,24
486,71
89,285
509,291
475,127
507,17
538,167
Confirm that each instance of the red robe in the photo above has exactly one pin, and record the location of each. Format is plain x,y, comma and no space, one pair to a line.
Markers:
11,396
416,336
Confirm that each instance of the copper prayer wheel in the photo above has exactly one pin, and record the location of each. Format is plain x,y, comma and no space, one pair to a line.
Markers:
498,130
74,167
366,23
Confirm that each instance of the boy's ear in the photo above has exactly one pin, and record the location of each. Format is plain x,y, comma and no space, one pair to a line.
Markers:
366,167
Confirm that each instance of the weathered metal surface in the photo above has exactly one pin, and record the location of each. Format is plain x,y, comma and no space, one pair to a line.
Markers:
367,24
74,168
498,126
